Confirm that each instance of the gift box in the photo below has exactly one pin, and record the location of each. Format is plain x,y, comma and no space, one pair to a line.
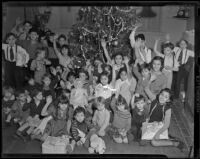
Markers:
55,145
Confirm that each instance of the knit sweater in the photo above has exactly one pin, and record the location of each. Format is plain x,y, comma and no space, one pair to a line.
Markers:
122,119
81,126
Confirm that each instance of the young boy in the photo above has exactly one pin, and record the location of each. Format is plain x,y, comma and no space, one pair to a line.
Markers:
15,60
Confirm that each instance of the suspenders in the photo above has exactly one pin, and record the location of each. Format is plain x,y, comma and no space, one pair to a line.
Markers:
6,53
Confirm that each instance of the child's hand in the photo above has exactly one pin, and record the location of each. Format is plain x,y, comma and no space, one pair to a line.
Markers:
53,71
55,36
103,43
81,134
113,62
83,139
49,99
101,133
79,143
126,59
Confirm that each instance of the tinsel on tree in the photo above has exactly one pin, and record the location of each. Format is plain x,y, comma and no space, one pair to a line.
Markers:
111,23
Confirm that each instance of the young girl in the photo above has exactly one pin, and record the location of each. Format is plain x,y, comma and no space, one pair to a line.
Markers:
39,65
7,101
139,113
79,96
126,84
158,80
101,117
35,106
63,55
122,119
170,62
16,112
60,122
160,111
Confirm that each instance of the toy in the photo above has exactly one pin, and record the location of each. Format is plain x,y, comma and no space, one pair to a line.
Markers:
97,145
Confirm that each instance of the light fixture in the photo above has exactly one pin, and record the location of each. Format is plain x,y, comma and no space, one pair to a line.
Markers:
183,13
147,12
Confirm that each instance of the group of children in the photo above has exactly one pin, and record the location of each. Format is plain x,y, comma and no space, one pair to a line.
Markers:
47,96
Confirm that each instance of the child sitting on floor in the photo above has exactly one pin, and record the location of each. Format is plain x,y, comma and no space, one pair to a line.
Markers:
122,119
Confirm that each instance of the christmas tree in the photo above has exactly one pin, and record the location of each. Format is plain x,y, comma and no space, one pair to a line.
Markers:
112,23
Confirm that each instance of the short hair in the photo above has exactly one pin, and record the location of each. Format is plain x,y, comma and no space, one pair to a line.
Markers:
35,30
71,74
9,35
144,66
121,100
46,75
62,36
39,50
187,43
8,89
35,92
140,36
26,21
168,91
19,91
139,98
65,46
118,53
100,100
170,45
79,109
160,59
85,72
63,99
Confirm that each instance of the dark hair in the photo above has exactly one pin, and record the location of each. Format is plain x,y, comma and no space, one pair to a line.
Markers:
170,45
63,99
35,92
168,91
104,73
140,36
35,30
100,100
139,98
85,72
71,74
62,36
79,109
19,91
121,100
187,43
42,34
160,59
39,50
9,34
27,22
118,53
144,66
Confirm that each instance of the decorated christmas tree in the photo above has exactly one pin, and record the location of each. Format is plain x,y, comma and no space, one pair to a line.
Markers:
112,23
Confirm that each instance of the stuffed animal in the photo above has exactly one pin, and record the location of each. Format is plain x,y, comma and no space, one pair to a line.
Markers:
97,145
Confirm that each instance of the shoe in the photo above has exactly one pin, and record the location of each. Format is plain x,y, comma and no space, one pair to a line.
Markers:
125,140
69,149
181,146
118,140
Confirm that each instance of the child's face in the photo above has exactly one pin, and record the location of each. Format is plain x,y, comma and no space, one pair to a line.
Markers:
79,84
80,117
164,97
33,36
39,96
58,69
11,40
22,97
156,65
82,76
183,44
104,80
27,27
100,106
41,55
47,81
167,50
145,73
118,59
107,68
8,94
140,104
64,51
31,81
71,79
61,41
123,75
63,106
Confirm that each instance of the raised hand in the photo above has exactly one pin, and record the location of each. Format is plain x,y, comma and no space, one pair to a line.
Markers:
103,43
126,59
49,99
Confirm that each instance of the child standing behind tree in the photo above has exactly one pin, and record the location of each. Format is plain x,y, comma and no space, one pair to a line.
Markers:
39,65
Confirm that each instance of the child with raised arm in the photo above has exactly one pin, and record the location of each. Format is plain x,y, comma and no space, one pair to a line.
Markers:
170,62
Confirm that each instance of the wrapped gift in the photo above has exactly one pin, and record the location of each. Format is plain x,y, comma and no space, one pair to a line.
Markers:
150,129
55,145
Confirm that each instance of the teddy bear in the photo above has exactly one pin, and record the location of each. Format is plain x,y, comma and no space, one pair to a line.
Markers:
97,145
